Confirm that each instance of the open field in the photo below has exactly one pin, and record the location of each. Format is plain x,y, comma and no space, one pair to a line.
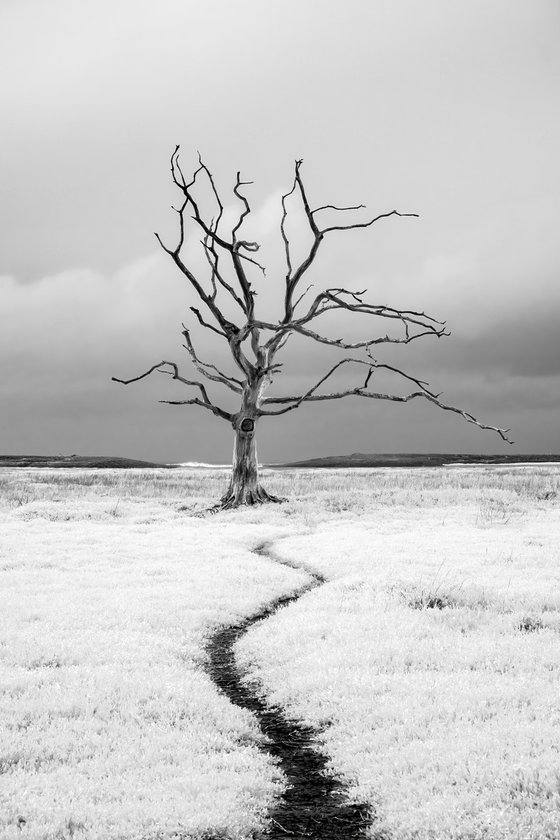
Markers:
429,660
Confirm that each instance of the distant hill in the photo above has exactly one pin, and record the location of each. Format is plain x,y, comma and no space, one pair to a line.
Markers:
78,461
438,459
358,459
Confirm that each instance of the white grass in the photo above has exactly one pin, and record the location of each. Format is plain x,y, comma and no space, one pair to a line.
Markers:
445,719
110,728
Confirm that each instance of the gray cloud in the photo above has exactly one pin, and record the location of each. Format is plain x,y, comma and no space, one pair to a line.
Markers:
443,110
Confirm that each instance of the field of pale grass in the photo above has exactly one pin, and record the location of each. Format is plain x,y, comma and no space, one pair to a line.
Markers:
429,661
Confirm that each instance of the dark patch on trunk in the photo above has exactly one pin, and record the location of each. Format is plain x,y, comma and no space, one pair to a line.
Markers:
314,805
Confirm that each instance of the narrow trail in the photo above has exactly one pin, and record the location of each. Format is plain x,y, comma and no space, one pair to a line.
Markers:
314,806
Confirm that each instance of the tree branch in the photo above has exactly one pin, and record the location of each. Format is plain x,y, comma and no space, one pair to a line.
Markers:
212,257
209,299
361,391
248,294
214,190
293,277
227,326
330,299
356,345
300,298
234,340
174,373
371,221
205,368
205,324
250,259
283,230
246,207
371,366
195,401
340,209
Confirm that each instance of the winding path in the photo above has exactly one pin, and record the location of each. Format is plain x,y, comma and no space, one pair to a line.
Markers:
314,805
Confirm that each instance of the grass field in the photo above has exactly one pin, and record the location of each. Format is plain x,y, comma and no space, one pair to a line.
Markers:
430,661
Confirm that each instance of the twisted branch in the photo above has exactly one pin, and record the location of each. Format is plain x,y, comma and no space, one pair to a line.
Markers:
361,391
293,277
206,369
205,402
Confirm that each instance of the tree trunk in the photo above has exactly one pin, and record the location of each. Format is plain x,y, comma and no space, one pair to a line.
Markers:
244,487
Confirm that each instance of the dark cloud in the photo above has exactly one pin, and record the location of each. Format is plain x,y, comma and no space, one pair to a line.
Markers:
419,108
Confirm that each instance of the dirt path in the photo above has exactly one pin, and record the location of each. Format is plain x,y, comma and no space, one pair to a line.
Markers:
314,805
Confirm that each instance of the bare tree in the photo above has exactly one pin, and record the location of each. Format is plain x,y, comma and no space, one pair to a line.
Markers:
254,344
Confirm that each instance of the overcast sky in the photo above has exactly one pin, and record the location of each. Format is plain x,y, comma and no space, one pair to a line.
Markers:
446,108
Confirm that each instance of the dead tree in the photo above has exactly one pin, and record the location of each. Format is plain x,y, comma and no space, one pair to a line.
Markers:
254,344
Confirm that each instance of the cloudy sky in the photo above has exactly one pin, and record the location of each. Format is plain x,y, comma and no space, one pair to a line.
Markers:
446,108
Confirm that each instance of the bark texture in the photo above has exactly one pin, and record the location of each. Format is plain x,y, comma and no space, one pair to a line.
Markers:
244,487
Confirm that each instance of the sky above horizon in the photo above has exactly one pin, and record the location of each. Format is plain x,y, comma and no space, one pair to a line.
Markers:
445,109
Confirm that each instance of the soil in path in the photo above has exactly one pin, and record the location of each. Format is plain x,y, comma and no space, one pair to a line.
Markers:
314,805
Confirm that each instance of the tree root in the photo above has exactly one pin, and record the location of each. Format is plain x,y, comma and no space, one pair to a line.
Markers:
246,498
232,500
